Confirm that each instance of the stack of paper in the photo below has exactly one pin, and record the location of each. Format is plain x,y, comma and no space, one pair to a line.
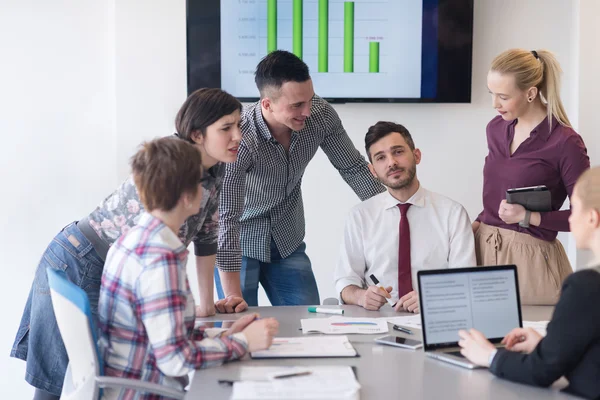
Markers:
344,325
539,326
409,321
323,383
319,346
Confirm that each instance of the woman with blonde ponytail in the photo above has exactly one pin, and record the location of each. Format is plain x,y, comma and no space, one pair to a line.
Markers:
530,143
571,347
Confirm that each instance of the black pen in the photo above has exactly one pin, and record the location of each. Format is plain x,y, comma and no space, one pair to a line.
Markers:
401,329
291,375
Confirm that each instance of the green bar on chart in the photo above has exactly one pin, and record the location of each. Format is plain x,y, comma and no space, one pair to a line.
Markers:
349,36
323,36
374,57
297,28
271,25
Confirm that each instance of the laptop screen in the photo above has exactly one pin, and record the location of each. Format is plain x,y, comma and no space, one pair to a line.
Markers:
484,298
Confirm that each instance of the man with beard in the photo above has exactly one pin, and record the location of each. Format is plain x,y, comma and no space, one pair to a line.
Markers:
401,231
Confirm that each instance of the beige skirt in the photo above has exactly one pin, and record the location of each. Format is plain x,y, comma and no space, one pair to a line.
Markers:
542,266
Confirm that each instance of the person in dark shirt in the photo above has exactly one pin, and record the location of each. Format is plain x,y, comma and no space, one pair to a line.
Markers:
531,142
571,347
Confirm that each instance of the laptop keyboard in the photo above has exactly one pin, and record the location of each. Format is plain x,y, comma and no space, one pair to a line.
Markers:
455,353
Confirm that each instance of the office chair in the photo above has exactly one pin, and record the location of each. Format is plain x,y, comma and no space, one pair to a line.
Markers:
85,378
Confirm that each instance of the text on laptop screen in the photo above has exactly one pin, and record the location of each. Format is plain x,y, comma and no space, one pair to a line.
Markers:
484,300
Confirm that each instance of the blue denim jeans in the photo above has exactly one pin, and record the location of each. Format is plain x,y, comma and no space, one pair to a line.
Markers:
287,281
38,339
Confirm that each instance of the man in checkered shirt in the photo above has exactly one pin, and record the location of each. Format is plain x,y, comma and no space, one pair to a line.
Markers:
261,215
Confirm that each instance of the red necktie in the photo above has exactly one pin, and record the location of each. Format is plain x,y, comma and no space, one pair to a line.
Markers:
404,274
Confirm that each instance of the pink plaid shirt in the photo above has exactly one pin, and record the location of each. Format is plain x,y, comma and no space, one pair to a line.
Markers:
147,313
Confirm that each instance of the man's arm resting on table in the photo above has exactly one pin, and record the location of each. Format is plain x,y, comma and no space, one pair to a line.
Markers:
205,267
234,302
351,294
232,287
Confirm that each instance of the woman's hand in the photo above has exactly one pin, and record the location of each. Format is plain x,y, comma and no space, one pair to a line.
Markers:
511,213
523,340
475,347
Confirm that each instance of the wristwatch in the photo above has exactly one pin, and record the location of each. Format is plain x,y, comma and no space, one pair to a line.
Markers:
525,222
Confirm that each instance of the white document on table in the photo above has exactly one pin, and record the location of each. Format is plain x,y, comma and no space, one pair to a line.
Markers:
344,325
414,321
263,373
539,326
324,383
307,347
409,321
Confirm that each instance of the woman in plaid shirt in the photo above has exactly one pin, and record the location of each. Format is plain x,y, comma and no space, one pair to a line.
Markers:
146,308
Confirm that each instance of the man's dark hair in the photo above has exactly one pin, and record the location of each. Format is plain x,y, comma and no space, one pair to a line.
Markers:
277,68
383,128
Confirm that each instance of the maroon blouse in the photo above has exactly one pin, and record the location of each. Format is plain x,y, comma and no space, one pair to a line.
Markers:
553,156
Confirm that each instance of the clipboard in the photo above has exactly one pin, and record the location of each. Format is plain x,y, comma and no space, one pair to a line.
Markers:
533,198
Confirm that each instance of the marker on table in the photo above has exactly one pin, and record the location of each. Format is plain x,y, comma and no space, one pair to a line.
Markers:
338,311
402,329
376,282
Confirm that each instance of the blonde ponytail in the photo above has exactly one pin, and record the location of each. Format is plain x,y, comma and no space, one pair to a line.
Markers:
538,69
550,87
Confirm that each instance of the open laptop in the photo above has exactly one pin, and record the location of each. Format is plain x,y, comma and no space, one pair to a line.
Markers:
484,298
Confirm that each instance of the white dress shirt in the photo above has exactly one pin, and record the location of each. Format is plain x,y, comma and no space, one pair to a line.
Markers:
440,237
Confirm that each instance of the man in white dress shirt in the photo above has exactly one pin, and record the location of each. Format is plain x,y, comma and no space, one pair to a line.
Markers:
401,231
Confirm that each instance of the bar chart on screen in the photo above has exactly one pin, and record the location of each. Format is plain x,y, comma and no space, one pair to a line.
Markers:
349,46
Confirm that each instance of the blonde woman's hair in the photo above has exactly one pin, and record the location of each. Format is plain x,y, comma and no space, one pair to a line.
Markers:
538,69
588,188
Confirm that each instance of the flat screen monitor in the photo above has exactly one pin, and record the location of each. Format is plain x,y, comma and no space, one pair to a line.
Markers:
357,51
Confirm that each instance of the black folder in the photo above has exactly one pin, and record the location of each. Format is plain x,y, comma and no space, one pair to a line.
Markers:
533,198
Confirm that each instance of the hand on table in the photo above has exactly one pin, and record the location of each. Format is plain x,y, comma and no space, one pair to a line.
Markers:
374,297
523,340
259,334
231,304
475,347
409,302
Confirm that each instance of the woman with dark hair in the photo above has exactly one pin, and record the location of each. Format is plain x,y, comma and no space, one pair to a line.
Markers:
209,119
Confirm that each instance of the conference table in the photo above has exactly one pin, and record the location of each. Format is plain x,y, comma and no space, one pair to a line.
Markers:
384,372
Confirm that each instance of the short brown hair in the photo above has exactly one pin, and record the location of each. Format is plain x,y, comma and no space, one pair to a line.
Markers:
164,169
383,128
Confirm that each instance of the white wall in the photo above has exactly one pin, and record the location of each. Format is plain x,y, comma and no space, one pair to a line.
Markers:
82,83
151,79
57,157
588,86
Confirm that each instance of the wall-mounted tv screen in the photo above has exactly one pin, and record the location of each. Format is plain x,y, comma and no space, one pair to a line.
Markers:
357,51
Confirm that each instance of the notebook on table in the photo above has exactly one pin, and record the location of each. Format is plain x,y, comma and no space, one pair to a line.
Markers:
308,347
